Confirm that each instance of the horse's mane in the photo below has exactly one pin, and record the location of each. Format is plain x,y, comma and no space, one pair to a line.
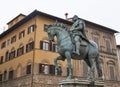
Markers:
61,25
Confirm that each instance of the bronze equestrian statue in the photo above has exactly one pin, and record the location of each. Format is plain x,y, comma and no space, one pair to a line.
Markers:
74,44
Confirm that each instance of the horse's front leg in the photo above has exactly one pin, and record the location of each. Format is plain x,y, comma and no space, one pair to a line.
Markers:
56,64
68,57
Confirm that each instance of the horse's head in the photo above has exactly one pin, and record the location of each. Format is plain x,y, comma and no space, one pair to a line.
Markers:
50,30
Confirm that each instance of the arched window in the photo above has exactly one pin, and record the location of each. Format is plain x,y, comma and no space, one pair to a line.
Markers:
1,59
112,73
44,45
44,67
20,50
12,53
1,76
7,56
19,71
5,75
111,66
11,73
31,28
30,45
28,69
108,49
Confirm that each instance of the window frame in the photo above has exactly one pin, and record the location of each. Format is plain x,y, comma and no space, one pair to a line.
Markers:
13,39
21,34
11,75
20,51
28,69
1,77
31,28
3,45
30,46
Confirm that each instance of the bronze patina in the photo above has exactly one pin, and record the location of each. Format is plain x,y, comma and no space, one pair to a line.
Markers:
74,44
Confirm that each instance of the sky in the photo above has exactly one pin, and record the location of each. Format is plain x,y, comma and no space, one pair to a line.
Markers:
102,12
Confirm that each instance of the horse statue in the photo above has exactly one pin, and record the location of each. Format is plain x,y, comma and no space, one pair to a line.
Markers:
88,52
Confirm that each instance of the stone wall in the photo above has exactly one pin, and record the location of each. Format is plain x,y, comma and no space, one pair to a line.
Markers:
45,81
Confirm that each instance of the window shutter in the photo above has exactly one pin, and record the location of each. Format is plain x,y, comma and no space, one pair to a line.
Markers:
28,30
27,48
5,75
0,77
53,47
52,70
33,27
23,50
40,68
50,46
10,75
28,71
41,44
18,52
32,45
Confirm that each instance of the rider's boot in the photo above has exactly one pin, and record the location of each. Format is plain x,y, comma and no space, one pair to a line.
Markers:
77,48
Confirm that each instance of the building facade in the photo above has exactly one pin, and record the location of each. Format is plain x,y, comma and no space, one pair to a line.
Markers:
118,54
26,56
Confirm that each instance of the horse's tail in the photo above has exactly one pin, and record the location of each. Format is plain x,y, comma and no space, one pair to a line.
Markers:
98,66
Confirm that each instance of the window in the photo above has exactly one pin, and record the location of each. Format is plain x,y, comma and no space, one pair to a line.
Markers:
1,60
10,75
44,68
7,56
5,75
48,46
52,70
59,70
55,49
112,76
20,51
96,40
31,29
0,77
28,70
8,42
3,45
49,69
45,45
85,69
21,34
108,45
12,54
13,39
30,46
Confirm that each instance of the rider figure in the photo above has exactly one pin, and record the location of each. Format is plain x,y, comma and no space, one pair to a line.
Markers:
78,33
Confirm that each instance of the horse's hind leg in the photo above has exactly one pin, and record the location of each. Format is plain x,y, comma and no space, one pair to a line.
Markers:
56,64
92,68
89,72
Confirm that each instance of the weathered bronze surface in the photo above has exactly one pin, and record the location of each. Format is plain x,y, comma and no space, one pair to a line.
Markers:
74,44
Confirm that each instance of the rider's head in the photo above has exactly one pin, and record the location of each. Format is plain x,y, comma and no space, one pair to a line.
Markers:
75,17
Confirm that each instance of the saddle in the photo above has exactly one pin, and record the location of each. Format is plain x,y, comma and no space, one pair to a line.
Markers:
84,43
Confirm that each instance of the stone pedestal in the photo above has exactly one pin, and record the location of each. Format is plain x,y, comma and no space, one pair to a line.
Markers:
80,83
